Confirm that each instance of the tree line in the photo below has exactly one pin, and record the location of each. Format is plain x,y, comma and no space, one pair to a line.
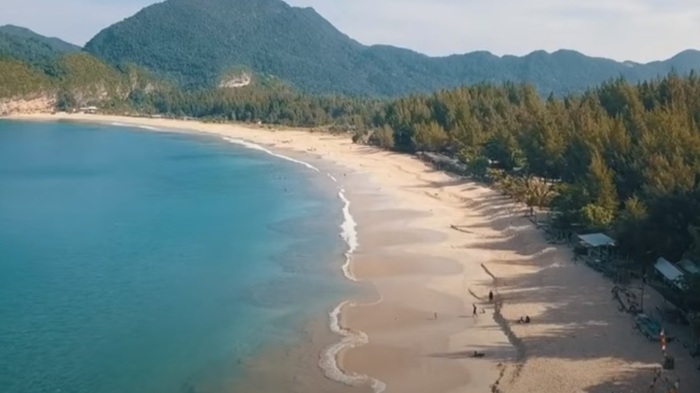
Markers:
622,158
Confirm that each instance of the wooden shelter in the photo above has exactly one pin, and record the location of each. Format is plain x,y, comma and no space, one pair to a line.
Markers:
669,273
598,245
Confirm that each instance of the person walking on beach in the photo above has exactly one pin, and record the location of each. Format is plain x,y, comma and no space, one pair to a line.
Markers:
474,310
490,296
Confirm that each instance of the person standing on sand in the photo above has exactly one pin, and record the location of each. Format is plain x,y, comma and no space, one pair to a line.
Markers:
490,296
474,310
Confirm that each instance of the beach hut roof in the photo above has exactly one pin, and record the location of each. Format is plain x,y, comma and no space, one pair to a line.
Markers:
689,266
669,271
597,239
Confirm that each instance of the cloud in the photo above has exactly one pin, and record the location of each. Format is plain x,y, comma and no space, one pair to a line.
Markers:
640,30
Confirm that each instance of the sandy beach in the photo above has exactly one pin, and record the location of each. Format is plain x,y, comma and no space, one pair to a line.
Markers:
432,246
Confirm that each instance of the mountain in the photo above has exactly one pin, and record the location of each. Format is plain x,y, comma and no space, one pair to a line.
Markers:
195,42
18,78
38,76
23,44
56,44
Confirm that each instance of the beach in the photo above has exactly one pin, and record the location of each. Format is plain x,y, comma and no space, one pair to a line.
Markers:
433,246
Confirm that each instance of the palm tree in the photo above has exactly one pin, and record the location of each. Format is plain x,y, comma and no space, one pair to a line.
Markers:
537,193
511,186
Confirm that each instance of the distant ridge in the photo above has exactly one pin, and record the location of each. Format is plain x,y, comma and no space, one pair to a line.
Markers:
195,42
56,43
23,44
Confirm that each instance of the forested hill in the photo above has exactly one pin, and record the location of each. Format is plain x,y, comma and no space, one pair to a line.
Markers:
23,44
56,44
195,41
39,73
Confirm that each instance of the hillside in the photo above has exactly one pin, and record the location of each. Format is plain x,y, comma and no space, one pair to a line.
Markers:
23,44
193,42
56,44
19,79
50,78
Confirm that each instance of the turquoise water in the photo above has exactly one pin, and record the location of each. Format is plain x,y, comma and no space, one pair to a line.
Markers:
135,261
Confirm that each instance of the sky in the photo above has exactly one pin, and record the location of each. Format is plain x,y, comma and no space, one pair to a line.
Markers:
637,30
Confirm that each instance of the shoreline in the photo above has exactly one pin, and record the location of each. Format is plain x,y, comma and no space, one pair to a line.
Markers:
433,246
349,338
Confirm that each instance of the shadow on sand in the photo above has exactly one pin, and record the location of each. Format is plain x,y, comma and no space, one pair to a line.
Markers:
574,315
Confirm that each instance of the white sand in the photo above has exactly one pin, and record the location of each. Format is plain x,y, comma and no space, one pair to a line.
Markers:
419,265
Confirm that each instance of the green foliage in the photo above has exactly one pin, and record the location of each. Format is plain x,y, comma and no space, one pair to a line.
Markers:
620,157
383,137
23,44
601,184
195,42
56,44
65,101
537,192
479,166
597,217
76,79
18,79
81,70
630,230
430,137
504,149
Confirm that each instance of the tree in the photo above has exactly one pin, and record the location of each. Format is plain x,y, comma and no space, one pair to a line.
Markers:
601,184
478,166
65,101
631,231
430,137
568,201
597,217
383,137
503,148
537,193
694,250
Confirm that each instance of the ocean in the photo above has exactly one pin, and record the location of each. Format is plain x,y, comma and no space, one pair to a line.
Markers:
138,261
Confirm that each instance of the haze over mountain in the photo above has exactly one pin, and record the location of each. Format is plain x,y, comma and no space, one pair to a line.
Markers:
195,42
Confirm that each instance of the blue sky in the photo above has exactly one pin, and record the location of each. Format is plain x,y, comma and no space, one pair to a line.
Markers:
639,30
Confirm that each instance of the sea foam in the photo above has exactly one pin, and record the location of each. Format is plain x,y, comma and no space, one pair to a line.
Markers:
270,152
350,338
349,234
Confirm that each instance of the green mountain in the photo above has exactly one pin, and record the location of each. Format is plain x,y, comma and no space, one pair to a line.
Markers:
194,42
56,44
53,71
19,79
23,44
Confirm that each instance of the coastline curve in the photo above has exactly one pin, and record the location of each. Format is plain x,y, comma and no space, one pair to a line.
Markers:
350,338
